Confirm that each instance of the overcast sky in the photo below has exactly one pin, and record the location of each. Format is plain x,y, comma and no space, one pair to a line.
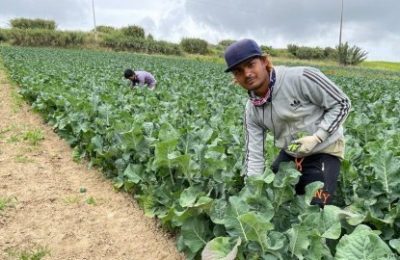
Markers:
370,24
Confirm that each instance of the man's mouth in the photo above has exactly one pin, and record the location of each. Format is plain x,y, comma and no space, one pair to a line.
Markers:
249,81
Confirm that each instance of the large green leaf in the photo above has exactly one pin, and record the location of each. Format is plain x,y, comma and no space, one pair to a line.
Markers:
363,244
287,175
298,240
132,173
189,196
395,244
97,144
387,170
256,227
318,249
233,225
283,184
180,161
311,190
221,248
218,211
167,132
163,152
196,233
203,202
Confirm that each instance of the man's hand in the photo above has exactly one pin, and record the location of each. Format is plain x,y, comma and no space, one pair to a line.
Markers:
307,143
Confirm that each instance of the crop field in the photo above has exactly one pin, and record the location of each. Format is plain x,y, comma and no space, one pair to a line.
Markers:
179,151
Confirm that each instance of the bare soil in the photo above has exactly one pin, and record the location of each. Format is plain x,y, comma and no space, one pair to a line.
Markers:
59,208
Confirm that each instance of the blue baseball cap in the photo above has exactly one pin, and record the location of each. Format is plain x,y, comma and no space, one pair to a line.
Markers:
240,51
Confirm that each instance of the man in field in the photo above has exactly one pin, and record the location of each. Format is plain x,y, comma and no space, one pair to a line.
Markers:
301,107
141,78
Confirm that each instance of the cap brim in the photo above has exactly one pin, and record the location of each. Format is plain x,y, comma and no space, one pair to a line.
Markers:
229,69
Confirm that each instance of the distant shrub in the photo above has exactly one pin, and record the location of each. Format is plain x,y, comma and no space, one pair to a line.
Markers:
283,52
310,53
124,43
150,37
226,43
317,53
4,35
40,37
133,31
269,50
24,23
105,29
330,53
292,48
194,45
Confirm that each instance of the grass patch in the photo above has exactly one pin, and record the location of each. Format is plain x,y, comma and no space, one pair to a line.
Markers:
33,136
72,200
16,101
29,254
22,159
76,199
91,201
77,156
4,131
13,139
304,62
382,65
6,202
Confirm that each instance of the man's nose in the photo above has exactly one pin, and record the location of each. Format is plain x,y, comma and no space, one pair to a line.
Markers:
247,72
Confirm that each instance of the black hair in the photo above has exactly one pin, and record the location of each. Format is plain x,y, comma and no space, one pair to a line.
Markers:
128,73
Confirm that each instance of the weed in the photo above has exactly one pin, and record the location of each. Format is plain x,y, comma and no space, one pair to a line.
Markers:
16,100
22,159
72,200
77,156
6,201
33,136
91,201
29,254
13,139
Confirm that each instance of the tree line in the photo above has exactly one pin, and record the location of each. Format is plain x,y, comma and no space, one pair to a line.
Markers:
40,32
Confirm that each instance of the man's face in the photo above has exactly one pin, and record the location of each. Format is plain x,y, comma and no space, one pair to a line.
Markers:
252,74
133,77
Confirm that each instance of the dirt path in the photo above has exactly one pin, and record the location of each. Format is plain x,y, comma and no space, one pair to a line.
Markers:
44,209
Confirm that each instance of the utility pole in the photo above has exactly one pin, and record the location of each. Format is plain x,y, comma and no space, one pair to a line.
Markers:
94,22
341,22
